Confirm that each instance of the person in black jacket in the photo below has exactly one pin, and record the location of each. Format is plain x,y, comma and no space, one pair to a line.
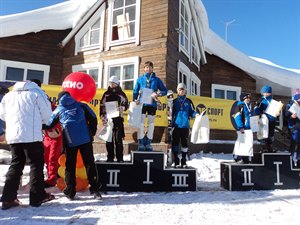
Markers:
115,94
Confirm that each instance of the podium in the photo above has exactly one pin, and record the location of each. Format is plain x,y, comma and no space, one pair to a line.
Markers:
275,172
146,172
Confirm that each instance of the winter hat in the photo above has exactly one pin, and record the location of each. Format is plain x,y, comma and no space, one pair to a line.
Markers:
297,97
114,79
243,96
266,89
37,81
181,86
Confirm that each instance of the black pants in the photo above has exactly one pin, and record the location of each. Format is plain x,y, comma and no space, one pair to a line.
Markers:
34,152
117,141
180,135
86,151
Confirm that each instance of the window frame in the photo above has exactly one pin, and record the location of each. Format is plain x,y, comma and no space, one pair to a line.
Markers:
197,48
191,77
99,14
135,39
181,31
135,60
226,88
26,66
197,81
90,66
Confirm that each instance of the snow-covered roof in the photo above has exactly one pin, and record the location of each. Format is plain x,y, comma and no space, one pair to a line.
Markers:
61,16
69,14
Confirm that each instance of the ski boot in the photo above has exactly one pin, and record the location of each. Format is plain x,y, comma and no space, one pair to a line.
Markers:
183,160
141,146
148,145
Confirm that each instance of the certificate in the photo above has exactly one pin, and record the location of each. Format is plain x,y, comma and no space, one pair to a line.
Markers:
146,97
274,108
112,109
295,108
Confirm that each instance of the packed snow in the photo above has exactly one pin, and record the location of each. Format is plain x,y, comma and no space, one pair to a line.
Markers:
211,204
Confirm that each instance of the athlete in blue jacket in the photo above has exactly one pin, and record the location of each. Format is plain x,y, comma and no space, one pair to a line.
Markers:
183,110
151,81
261,105
242,121
79,124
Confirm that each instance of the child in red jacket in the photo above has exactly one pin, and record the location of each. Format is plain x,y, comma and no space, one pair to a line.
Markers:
52,151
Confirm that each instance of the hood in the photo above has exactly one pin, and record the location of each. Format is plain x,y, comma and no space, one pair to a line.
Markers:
66,100
25,86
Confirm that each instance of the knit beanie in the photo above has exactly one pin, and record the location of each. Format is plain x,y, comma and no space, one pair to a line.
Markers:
266,89
296,97
114,79
181,86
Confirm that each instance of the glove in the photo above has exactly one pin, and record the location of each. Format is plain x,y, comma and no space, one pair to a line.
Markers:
104,122
257,103
154,96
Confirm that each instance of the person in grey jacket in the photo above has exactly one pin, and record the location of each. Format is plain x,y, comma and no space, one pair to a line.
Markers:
24,110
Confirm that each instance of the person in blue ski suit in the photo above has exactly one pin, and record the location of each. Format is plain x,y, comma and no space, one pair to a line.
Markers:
79,124
183,110
151,81
294,128
242,121
261,106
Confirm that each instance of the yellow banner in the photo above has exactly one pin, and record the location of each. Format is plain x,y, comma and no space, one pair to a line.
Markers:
219,111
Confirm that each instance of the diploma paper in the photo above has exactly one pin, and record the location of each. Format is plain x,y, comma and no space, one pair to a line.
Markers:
274,108
146,97
112,109
295,108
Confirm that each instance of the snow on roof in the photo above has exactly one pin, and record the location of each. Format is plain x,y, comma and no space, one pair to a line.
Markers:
68,14
61,16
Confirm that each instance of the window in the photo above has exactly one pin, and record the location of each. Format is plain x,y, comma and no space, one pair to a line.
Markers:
126,69
195,50
184,34
20,71
225,92
124,20
189,78
195,84
93,69
91,35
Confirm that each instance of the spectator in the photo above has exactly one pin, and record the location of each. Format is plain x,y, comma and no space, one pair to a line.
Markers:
79,124
24,110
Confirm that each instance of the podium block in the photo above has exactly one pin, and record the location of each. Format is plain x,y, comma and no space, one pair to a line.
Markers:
145,172
275,172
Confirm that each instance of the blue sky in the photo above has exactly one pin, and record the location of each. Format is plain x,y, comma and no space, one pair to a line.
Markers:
268,29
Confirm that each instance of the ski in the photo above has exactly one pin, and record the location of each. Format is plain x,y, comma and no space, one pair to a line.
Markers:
170,98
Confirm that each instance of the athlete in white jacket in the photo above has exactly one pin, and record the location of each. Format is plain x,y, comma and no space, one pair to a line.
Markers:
25,109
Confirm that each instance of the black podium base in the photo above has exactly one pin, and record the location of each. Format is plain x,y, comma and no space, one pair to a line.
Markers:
146,172
275,172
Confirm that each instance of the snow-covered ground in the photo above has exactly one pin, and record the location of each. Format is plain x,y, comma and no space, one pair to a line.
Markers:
211,204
